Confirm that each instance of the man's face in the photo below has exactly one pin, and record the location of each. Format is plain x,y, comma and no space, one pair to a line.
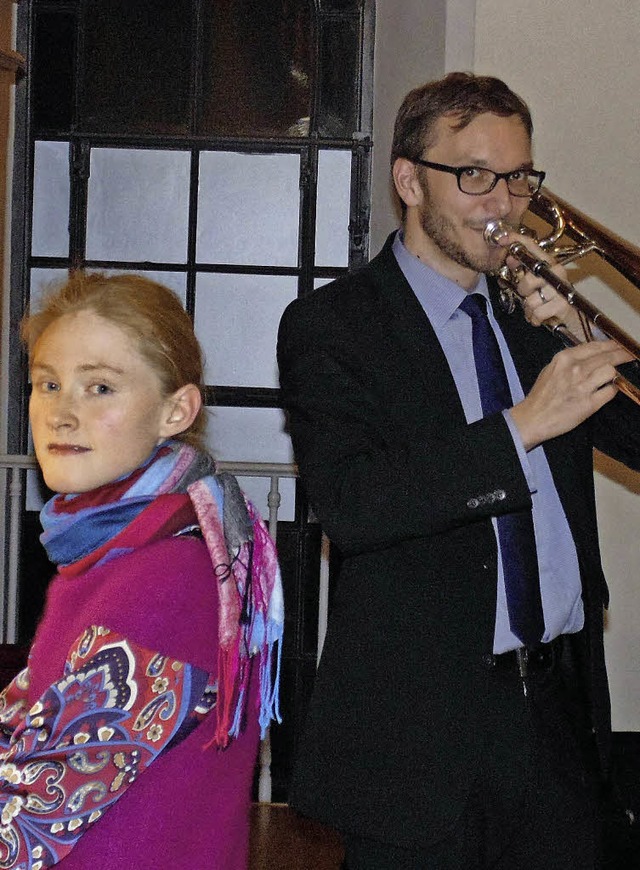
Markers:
453,222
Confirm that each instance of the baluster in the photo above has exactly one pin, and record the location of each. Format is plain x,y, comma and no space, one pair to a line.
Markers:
323,597
264,778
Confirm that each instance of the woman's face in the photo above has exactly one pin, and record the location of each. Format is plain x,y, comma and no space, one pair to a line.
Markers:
97,408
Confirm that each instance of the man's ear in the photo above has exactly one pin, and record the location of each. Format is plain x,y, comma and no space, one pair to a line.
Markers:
405,178
181,410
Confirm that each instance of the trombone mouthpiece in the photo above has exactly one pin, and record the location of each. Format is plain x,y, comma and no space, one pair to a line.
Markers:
494,231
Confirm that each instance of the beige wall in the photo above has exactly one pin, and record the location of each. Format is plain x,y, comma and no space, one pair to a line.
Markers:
576,64
409,49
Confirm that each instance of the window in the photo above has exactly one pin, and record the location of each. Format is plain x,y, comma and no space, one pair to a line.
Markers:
221,147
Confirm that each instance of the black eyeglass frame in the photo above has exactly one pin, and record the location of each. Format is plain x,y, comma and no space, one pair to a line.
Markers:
459,170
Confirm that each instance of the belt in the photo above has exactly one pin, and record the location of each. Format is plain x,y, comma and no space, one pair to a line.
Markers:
528,660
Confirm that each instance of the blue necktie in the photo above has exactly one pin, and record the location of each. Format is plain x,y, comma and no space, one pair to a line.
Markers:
515,530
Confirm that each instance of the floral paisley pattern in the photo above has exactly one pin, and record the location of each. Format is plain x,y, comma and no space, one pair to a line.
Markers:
66,760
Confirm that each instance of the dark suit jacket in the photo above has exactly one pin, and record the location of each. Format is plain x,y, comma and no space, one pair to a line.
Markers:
403,697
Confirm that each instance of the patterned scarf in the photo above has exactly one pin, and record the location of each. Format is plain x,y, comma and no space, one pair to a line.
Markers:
176,491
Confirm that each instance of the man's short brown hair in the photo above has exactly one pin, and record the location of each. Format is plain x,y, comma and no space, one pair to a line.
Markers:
462,95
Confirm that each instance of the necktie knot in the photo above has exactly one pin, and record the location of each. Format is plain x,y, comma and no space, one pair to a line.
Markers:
475,305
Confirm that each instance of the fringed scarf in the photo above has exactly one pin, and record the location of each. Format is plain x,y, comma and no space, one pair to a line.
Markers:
177,491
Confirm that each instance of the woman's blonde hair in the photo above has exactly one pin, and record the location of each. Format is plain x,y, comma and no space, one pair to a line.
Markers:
152,315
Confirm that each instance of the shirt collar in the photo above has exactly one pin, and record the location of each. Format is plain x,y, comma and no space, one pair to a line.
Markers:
439,296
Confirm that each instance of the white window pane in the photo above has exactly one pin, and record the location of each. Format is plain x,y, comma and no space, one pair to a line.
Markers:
253,435
176,281
43,280
248,435
248,208
322,282
333,206
236,320
50,232
138,205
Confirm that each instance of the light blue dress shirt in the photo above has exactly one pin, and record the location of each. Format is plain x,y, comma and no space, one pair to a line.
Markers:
560,584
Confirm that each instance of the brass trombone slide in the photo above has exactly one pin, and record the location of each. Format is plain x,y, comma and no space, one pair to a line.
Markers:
618,252
590,237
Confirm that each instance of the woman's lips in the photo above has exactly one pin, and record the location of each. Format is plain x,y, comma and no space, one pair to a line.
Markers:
66,448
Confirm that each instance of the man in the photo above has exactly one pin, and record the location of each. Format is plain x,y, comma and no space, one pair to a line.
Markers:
460,717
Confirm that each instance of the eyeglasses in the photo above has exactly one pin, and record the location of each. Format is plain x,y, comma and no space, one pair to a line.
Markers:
475,180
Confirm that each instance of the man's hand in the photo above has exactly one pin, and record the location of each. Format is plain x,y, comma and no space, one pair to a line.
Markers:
576,383
540,301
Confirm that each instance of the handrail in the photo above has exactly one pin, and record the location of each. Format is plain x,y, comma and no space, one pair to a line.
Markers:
274,470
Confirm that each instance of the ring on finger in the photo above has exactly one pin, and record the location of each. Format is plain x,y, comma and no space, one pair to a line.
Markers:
541,294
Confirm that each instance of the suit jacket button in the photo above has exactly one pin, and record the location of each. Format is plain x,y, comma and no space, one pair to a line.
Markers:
500,494
473,503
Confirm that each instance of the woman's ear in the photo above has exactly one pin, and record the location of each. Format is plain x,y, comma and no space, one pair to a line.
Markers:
181,410
405,178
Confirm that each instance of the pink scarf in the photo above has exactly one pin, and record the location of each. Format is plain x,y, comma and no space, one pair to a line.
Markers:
177,491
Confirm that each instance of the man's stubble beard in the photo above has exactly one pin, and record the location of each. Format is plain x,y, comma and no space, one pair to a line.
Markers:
442,232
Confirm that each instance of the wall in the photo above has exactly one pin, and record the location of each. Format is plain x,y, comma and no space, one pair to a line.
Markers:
576,64
409,50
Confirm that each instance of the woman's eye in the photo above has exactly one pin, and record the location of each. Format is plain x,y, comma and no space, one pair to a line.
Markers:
101,389
48,386
472,172
518,175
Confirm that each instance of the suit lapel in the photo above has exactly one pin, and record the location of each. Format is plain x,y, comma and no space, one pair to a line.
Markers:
410,328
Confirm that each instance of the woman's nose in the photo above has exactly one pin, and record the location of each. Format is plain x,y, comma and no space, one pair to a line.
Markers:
62,414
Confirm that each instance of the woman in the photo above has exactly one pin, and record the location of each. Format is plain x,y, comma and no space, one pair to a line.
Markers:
130,738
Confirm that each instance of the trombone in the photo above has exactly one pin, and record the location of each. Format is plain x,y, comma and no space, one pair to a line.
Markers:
589,236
